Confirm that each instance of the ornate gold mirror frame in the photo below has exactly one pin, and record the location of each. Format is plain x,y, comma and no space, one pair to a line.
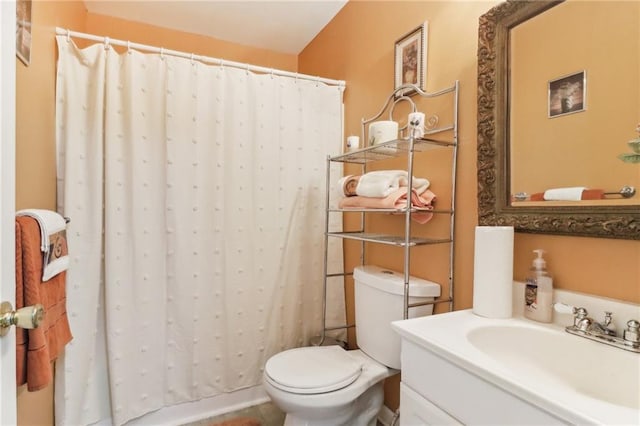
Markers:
494,207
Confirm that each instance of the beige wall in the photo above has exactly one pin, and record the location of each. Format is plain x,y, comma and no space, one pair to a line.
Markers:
357,46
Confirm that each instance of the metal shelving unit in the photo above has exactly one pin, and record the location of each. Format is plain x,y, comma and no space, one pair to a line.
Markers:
435,136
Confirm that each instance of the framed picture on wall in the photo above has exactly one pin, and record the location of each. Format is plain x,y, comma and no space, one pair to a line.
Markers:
568,94
23,30
411,60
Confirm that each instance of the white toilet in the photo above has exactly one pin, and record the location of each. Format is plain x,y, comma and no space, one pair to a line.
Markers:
329,386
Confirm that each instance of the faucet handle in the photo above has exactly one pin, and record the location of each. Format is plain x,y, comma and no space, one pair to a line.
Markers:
607,318
631,335
579,314
563,308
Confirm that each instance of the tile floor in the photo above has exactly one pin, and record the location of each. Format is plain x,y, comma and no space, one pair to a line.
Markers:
267,413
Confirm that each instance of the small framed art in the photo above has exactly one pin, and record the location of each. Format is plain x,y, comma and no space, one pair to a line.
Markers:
568,94
23,30
411,59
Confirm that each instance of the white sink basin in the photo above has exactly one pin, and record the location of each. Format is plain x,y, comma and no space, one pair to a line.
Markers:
590,368
577,380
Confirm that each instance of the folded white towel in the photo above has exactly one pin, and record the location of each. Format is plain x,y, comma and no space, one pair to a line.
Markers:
53,241
564,194
384,182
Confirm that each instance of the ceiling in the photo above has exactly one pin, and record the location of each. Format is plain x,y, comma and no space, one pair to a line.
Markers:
283,26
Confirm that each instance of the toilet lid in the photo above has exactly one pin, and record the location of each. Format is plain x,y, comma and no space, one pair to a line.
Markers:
316,369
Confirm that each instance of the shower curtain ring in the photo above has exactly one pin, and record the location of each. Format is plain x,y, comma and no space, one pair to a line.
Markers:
193,60
129,47
68,35
162,53
106,43
221,64
247,69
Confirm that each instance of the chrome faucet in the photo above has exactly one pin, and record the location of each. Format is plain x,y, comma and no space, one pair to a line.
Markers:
584,326
589,325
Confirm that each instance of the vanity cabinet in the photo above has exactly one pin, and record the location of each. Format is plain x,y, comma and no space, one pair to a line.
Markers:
415,409
434,390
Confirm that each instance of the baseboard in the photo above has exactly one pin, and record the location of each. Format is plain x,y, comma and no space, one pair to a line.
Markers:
385,416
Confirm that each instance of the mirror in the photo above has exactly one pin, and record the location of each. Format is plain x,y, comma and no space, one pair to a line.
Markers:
497,113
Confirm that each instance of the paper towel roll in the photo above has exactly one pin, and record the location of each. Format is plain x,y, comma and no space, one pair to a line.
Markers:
493,272
382,131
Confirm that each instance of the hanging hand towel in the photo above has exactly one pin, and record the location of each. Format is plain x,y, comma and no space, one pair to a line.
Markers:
568,194
37,348
53,241
564,194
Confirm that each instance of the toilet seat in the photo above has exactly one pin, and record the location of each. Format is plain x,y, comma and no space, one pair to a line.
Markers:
312,370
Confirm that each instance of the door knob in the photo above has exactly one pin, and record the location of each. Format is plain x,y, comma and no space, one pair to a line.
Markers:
27,317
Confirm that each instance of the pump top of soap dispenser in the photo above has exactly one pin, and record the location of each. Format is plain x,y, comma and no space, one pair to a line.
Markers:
539,263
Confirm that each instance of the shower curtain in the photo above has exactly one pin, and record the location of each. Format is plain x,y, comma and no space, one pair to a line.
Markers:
196,196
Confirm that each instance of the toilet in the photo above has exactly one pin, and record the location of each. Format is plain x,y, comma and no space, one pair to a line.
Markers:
330,386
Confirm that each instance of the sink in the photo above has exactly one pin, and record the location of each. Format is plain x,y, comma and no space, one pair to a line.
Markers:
590,368
573,379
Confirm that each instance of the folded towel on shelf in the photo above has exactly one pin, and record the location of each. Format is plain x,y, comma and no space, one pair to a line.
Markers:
53,240
380,183
347,185
37,348
568,194
395,200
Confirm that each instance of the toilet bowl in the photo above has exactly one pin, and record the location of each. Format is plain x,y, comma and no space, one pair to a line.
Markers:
330,386
335,387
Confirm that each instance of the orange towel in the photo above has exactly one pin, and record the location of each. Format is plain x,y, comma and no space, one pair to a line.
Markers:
37,348
587,194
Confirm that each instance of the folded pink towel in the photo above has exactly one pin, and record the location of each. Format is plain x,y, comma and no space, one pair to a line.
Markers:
396,200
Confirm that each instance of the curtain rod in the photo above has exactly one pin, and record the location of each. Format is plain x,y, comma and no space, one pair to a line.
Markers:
205,59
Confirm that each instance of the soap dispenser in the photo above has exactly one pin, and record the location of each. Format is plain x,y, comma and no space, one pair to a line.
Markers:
539,291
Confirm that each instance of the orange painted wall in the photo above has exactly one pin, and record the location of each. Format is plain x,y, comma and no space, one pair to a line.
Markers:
35,147
186,42
357,46
35,105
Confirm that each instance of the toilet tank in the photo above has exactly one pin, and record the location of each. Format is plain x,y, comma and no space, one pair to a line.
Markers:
379,300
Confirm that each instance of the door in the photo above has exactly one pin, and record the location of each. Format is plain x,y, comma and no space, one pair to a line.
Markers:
7,204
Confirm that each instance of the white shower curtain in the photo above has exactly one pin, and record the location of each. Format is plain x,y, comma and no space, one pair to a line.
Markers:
196,196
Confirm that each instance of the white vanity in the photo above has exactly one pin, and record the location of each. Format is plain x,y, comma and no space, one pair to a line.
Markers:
460,368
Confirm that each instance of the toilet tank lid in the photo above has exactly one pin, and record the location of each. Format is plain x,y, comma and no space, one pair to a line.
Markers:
393,282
